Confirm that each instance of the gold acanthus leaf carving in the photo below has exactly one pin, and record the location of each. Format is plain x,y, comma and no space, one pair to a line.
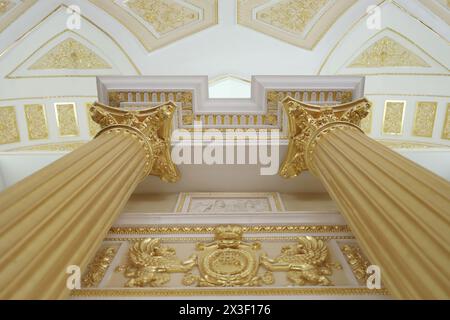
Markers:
357,261
163,15
153,123
70,54
97,268
150,264
291,15
306,120
386,52
306,262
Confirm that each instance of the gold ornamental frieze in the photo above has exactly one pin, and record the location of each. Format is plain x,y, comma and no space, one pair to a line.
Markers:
307,123
229,261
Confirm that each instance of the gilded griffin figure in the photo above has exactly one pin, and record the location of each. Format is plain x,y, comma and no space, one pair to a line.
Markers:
305,262
150,264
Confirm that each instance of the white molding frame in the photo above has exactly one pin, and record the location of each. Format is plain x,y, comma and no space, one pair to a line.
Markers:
202,104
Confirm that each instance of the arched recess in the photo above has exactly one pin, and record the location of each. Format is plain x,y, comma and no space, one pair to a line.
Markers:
406,64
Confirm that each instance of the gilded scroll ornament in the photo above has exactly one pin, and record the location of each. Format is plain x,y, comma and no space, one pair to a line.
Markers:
97,268
306,122
152,126
306,262
150,264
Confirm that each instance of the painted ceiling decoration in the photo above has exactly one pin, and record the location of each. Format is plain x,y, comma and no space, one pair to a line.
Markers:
386,52
299,22
157,23
70,54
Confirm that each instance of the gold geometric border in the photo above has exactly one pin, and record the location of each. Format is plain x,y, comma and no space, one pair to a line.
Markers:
193,229
344,291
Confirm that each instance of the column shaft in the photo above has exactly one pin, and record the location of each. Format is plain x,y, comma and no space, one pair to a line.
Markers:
58,216
398,211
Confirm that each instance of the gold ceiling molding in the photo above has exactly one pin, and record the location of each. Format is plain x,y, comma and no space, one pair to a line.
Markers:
63,7
9,131
176,229
424,118
36,121
302,23
157,23
386,52
440,8
357,261
11,10
70,54
316,291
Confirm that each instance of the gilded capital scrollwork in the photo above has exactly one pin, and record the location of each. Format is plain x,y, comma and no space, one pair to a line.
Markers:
151,126
308,122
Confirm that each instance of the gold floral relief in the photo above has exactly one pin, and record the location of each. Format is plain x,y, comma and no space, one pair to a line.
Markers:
424,119
94,127
66,118
36,121
9,131
393,117
386,52
163,15
446,130
357,262
291,15
70,54
97,268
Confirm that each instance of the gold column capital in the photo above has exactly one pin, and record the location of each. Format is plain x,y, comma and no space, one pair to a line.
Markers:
151,126
307,123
